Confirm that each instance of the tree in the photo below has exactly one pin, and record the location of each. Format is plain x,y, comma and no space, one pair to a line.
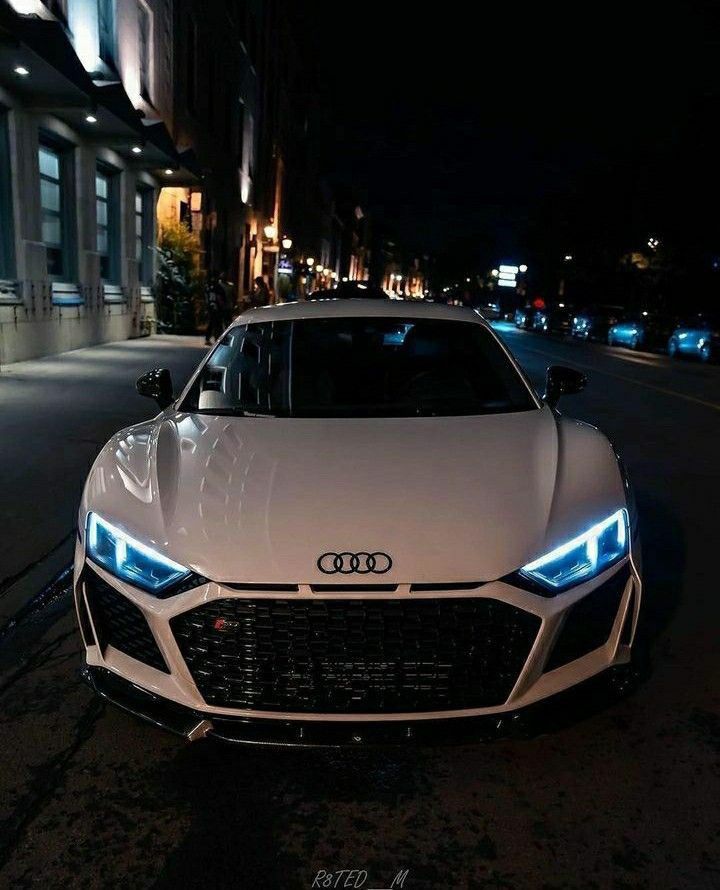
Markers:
179,282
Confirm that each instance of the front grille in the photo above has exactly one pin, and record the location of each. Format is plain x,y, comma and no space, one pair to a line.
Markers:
355,656
120,624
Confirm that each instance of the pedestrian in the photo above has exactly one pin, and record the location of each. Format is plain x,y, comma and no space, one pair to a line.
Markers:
216,305
261,293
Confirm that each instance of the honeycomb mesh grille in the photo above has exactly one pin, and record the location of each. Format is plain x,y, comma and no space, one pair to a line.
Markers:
120,624
355,656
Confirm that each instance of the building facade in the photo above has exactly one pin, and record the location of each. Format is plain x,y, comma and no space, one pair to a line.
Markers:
86,116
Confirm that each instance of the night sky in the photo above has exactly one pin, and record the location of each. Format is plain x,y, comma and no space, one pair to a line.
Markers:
506,131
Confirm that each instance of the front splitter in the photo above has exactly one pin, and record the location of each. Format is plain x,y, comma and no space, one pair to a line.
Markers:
192,725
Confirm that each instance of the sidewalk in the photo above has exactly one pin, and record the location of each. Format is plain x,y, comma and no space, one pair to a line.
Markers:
55,415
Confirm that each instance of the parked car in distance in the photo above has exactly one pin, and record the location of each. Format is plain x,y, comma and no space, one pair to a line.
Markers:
697,337
556,320
645,330
524,318
594,323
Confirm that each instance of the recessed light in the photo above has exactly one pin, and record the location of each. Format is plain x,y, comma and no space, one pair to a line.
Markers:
169,172
22,71
136,150
90,118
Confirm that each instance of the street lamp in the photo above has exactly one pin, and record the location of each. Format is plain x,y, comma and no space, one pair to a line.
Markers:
287,243
319,268
310,261
270,231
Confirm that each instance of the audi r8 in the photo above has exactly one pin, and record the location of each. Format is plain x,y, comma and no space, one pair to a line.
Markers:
357,513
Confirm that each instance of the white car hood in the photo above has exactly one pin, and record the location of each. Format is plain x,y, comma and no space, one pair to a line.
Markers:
451,499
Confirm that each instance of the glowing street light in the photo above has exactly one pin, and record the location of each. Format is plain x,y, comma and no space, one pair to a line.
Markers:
319,268
270,231
568,257
287,243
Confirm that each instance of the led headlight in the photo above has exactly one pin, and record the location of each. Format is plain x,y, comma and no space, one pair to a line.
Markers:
583,557
128,559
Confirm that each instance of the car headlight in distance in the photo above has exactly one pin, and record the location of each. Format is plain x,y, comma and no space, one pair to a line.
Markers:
583,557
128,559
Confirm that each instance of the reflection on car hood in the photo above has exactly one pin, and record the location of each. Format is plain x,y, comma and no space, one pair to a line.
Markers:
260,499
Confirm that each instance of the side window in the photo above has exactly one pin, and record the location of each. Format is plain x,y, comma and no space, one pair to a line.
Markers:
7,251
56,209
107,212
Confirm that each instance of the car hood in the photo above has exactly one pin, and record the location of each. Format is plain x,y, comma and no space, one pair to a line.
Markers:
259,500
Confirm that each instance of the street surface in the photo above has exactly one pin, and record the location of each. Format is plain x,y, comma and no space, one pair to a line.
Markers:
618,794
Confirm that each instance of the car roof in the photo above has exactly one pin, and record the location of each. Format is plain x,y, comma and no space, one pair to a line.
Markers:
332,307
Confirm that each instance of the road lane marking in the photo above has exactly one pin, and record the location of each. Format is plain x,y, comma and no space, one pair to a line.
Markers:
638,359
668,392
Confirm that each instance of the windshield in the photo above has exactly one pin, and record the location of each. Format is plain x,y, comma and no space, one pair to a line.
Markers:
358,367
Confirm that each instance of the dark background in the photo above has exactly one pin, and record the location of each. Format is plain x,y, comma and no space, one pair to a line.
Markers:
483,133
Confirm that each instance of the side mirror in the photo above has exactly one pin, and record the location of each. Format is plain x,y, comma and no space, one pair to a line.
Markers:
562,381
156,384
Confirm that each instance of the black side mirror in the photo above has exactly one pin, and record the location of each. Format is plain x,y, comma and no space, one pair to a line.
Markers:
157,384
562,381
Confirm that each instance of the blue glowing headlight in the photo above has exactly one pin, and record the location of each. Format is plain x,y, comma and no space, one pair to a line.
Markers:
584,557
128,559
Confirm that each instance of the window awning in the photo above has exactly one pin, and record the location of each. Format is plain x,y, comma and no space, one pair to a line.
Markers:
58,84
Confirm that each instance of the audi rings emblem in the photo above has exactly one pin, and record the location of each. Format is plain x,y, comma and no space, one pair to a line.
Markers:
362,563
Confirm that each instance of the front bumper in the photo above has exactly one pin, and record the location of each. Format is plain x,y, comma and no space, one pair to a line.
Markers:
153,679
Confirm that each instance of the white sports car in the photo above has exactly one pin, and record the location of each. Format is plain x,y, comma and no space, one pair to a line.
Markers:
357,515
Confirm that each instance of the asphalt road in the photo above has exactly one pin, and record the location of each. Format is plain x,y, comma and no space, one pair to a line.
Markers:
617,794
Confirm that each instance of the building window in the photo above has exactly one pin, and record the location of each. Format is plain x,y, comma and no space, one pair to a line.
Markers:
192,67
106,204
144,49
106,29
7,229
52,202
144,234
